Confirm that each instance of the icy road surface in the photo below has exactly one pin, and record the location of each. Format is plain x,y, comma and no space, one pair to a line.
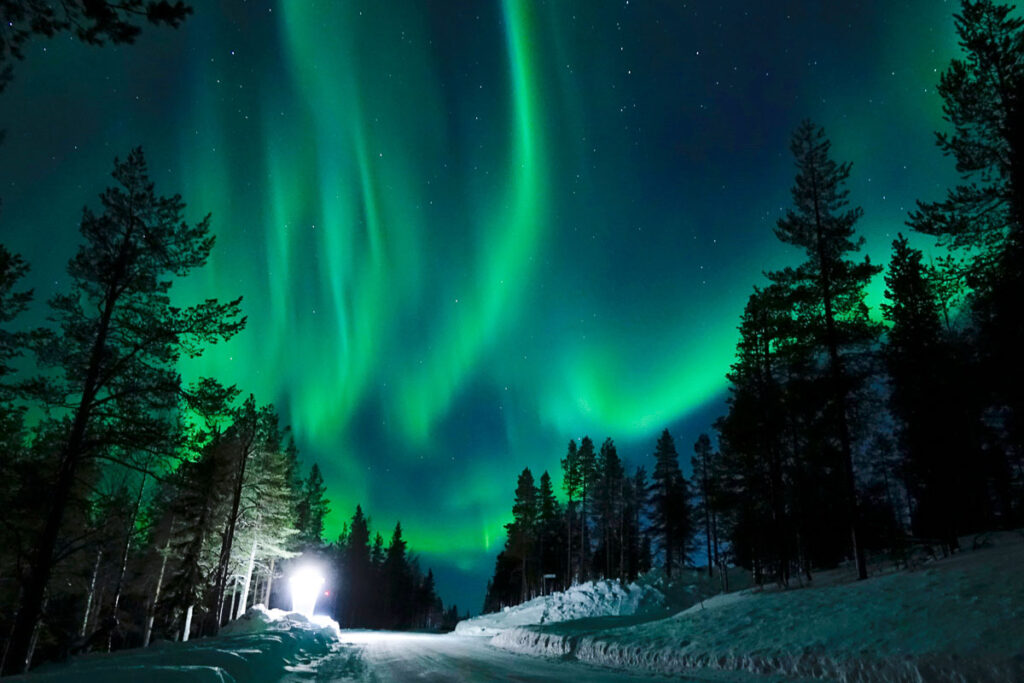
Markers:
383,657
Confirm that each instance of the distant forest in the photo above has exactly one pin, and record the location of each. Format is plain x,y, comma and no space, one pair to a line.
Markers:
846,436
136,507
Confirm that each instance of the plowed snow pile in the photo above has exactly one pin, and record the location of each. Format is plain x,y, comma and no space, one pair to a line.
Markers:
262,646
958,619
591,599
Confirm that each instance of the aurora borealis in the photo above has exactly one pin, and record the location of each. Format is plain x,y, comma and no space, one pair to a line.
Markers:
469,231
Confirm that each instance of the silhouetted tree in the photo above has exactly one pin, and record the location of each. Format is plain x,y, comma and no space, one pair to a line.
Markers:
703,478
571,486
549,531
828,289
609,506
95,22
312,508
928,387
670,518
118,349
522,530
586,473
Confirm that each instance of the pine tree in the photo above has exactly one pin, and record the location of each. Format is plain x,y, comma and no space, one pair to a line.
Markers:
586,470
119,345
571,486
828,289
549,523
522,530
927,389
636,513
358,566
608,504
398,579
670,513
312,508
701,464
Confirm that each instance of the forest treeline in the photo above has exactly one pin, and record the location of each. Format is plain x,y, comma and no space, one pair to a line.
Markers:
846,435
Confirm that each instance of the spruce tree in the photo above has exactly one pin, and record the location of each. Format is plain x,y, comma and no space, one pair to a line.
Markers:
312,508
522,530
358,575
571,486
701,463
549,523
927,390
608,505
116,354
398,586
586,471
827,290
670,515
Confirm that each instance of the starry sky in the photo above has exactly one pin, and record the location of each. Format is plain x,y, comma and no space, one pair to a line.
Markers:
467,232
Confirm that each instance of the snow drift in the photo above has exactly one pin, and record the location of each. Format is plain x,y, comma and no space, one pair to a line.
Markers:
591,599
955,619
261,646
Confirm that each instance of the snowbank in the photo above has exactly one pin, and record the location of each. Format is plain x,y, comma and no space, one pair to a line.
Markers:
956,619
261,646
591,599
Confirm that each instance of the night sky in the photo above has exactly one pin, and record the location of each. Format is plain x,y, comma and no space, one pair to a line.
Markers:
467,232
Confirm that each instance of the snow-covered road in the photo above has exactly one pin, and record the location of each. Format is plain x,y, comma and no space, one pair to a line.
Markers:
382,657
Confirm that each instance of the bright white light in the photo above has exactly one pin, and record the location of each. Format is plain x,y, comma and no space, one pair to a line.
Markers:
305,584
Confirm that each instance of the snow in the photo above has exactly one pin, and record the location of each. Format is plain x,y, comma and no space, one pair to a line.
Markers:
591,599
261,646
957,619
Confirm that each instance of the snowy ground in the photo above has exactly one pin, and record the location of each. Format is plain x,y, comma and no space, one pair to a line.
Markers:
958,619
263,646
272,646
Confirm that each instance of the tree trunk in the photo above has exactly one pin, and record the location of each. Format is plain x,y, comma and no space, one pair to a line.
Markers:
707,510
92,593
188,624
237,600
124,558
247,583
156,591
839,389
569,576
229,531
270,581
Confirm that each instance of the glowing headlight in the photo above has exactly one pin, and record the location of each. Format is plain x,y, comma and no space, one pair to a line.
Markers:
305,584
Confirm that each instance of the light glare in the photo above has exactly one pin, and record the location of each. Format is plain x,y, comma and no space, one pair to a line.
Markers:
305,585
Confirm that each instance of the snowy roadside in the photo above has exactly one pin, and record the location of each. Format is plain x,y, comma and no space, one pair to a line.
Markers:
260,647
957,619
590,599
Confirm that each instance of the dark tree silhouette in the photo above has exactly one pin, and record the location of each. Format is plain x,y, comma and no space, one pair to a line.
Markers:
522,530
119,344
670,518
95,22
312,508
827,290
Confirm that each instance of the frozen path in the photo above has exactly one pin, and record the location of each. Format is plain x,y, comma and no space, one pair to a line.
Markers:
384,657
